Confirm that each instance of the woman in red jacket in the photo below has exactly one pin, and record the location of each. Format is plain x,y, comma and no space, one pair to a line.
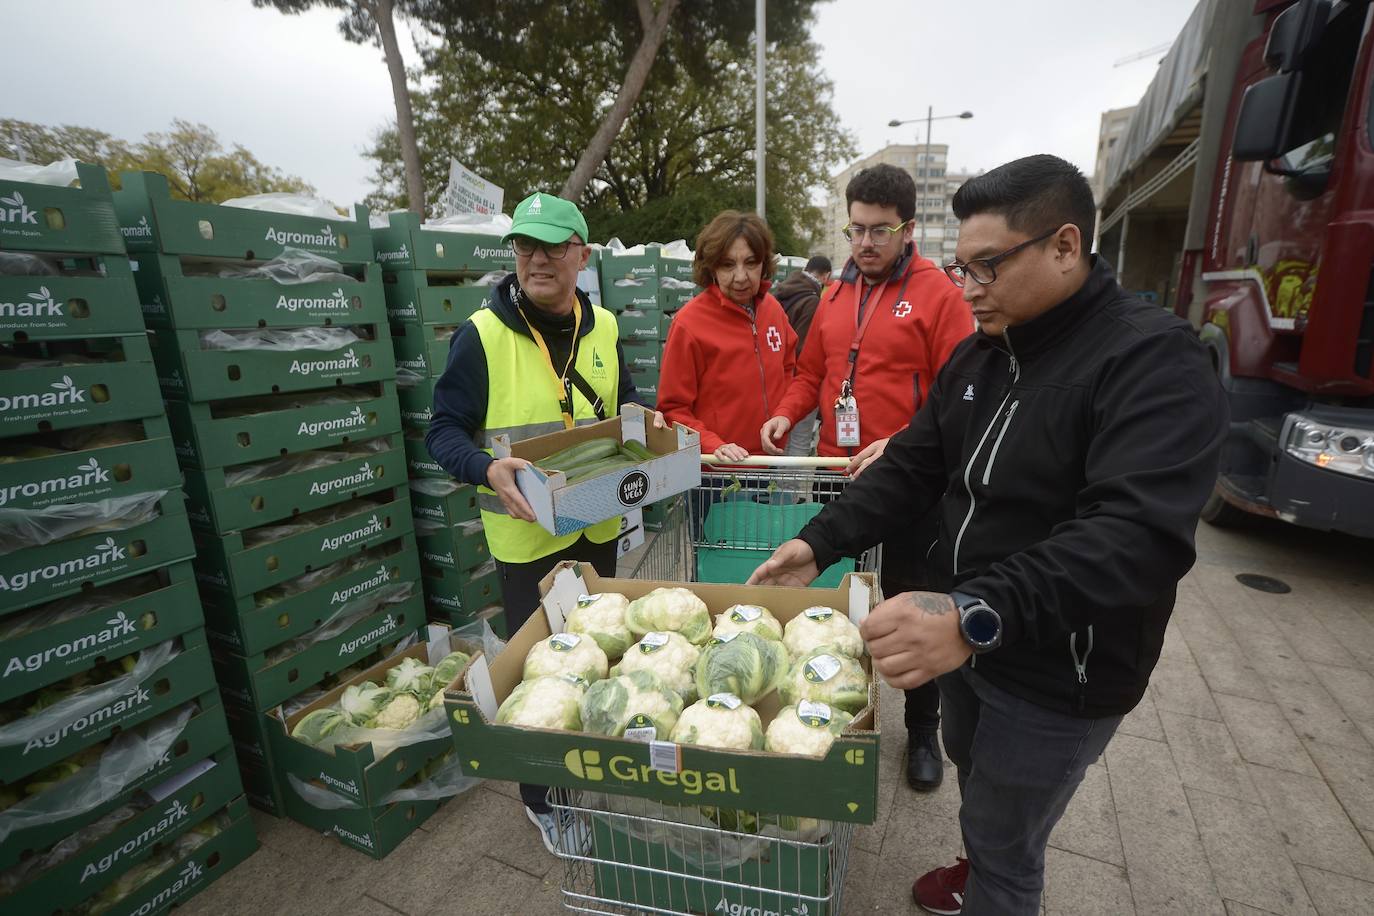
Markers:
731,353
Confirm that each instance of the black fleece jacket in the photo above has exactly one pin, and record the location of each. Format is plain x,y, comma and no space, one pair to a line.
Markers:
1069,460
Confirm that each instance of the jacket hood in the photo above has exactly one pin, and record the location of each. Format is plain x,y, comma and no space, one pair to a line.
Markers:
502,302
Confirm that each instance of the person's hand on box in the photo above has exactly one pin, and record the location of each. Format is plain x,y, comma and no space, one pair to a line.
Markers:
501,478
659,422
914,638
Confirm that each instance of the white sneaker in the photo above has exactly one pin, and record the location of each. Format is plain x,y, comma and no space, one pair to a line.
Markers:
561,832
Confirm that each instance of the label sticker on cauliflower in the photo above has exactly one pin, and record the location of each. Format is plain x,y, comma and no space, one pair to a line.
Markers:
819,613
652,642
821,668
746,613
564,642
813,714
724,701
722,638
641,728
586,600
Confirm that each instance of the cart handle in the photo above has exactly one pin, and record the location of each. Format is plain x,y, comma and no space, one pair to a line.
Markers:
777,461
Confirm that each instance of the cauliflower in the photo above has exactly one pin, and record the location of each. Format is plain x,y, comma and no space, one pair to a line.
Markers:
630,701
315,726
721,720
826,676
668,655
807,728
748,618
566,653
412,676
746,665
362,702
448,668
545,702
676,609
822,626
403,710
602,617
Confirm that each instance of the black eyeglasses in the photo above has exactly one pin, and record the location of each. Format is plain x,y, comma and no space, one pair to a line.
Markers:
525,246
984,270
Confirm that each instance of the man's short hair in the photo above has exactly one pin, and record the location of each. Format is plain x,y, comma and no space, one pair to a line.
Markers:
883,186
1034,195
819,264
720,233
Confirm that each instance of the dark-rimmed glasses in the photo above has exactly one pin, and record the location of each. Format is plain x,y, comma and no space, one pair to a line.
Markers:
983,271
525,246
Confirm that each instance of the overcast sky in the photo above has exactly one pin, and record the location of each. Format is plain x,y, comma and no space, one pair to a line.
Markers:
1036,75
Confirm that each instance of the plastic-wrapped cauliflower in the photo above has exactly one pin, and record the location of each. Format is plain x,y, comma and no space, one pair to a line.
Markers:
668,655
412,676
826,676
448,669
637,705
399,712
748,618
362,702
676,609
746,665
822,626
566,653
545,702
807,728
315,726
602,617
721,720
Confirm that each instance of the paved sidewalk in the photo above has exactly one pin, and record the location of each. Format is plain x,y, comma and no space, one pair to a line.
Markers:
1242,785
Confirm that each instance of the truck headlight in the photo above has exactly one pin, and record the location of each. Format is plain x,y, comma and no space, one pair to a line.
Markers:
1347,450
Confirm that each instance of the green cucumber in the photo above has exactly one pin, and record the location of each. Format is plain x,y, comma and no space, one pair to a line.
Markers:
580,454
596,469
637,451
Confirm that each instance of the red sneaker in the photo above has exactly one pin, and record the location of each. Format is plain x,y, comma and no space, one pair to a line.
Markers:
942,891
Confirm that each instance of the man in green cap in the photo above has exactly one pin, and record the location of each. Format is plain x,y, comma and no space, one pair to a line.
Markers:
538,359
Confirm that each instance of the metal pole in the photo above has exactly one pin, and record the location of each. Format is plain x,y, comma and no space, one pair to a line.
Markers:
925,183
759,130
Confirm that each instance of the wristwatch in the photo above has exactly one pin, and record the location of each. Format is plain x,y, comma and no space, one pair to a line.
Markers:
979,624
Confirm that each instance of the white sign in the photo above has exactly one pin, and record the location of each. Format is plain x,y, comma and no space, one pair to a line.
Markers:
469,192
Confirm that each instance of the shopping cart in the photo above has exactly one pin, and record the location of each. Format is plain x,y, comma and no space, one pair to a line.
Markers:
629,855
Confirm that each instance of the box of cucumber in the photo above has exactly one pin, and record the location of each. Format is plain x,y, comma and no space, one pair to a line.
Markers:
585,475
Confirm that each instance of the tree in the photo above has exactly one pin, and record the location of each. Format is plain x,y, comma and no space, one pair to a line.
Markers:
191,157
522,119
375,21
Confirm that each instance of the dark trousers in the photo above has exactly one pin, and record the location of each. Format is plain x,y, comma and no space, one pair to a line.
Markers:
1019,764
520,594
905,570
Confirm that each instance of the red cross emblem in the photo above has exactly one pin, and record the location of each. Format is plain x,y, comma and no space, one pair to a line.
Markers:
848,429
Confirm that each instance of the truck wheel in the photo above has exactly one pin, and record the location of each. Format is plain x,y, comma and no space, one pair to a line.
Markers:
1221,514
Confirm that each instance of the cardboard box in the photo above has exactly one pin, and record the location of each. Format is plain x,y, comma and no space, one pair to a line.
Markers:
152,221
173,299
204,734
642,354
493,615
374,831
417,403
192,874
253,681
229,563
93,474
179,804
212,506
433,297
183,677
422,348
461,547
353,771
122,618
635,325
244,627
204,438
257,768
564,508
405,245
186,371
841,786
41,217
38,574
458,591
454,509
419,462
96,300
46,398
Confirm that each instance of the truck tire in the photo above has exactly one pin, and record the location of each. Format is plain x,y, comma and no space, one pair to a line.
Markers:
1218,513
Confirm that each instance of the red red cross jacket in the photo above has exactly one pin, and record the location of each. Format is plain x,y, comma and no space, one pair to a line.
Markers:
725,371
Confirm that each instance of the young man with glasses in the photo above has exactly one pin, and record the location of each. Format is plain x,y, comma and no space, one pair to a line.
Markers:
538,359
1068,447
878,338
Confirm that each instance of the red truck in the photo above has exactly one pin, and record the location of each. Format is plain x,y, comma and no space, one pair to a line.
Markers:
1241,196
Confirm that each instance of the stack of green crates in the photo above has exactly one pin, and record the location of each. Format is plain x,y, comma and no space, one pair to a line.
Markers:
117,777
433,284
293,458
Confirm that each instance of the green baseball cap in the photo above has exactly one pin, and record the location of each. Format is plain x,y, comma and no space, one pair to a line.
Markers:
548,219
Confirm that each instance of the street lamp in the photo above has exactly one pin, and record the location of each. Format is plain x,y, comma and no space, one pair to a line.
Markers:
925,183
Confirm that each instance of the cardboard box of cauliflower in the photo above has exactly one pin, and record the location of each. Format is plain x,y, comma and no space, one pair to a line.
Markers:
690,699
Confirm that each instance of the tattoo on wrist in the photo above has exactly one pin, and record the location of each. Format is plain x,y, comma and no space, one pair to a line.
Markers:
932,603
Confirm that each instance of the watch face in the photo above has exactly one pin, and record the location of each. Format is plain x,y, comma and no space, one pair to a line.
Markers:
982,625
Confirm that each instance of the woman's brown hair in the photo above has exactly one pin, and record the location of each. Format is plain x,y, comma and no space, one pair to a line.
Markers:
715,240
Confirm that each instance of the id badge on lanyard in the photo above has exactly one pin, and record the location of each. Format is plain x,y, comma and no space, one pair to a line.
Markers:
846,422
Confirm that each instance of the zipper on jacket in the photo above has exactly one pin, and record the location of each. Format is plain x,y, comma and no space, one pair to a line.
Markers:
992,457
758,356
1080,665
1015,369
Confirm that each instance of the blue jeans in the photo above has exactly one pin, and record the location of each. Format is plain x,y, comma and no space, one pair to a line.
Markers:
1019,764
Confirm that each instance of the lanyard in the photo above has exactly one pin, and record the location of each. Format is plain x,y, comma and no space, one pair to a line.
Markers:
869,304
565,403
